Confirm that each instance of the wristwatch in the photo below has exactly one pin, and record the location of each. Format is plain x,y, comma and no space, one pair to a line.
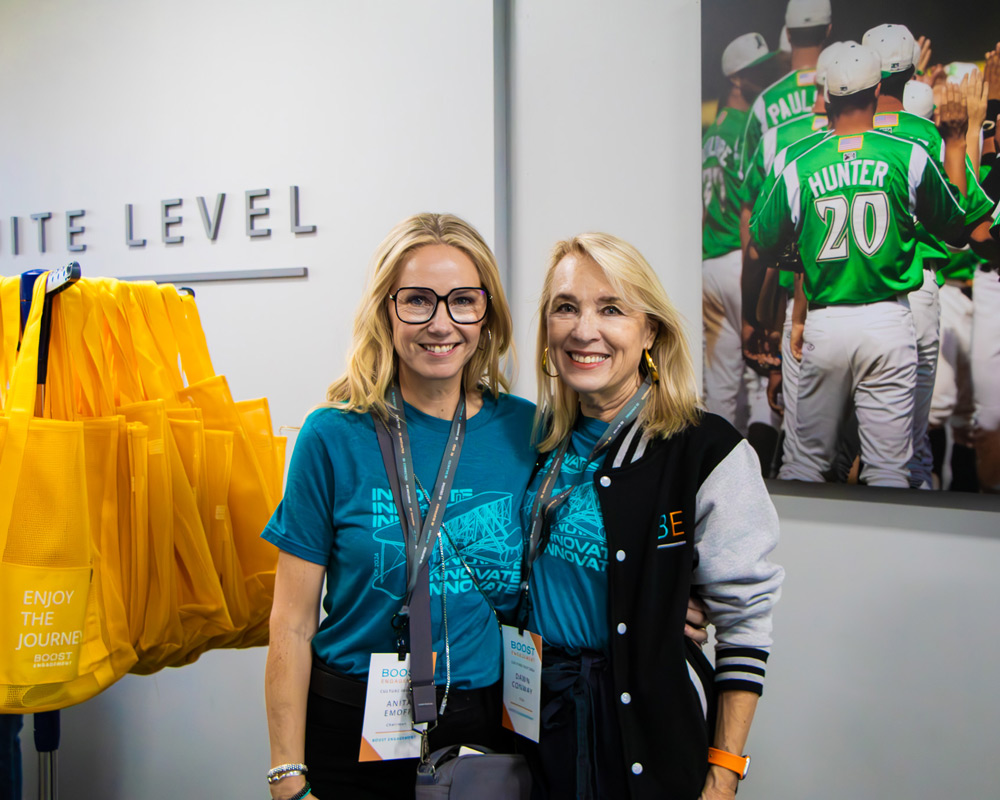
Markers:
738,764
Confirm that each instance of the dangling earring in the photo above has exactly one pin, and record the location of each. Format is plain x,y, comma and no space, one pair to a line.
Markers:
489,339
654,373
545,364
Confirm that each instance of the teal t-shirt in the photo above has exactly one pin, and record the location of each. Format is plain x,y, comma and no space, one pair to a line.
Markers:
338,511
569,582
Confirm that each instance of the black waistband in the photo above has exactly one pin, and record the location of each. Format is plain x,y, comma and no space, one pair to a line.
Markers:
332,685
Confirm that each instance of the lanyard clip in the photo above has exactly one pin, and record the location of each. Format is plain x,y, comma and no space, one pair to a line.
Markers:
400,622
523,611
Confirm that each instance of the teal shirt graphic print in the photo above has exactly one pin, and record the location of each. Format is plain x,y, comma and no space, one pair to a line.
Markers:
338,511
569,583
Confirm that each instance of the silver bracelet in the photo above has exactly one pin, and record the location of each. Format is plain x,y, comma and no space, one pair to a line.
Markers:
283,771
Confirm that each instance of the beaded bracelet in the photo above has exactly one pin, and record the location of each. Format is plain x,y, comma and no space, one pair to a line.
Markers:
303,792
283,771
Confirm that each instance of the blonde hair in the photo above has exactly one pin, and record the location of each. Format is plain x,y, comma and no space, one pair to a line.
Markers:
371,364
673,403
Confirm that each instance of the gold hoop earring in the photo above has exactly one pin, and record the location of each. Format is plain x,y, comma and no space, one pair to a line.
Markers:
545,364
654,373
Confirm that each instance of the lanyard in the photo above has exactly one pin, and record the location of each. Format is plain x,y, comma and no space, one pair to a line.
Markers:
420,534
545,503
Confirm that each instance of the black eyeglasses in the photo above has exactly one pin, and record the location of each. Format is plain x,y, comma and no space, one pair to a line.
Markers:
466,305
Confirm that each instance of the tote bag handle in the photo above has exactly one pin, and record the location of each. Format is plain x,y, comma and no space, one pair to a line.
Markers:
20,407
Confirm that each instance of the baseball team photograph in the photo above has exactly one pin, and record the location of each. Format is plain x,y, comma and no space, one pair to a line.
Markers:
851,239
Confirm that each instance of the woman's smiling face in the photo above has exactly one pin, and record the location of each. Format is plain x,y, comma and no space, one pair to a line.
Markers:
595,339
437,350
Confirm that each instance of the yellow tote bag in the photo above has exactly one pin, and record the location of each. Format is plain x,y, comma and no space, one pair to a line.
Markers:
256,477
250,503
81,371
189,436
47,605
219,453
133,484
270,449
161,635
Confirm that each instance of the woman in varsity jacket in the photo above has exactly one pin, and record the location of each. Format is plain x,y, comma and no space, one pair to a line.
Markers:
641,499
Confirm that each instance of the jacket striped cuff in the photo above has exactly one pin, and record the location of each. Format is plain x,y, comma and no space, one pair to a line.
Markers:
740,668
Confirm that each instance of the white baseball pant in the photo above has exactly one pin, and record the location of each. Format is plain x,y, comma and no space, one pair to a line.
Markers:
731,389
866,353
926,310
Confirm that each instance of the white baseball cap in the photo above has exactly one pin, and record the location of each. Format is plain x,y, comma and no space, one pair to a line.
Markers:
825,58
807,13
853,69
744,51
784,45
918,98
894,44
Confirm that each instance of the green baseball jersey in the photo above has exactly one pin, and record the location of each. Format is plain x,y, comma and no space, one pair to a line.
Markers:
850,203
780,145
787,98
910,126
720,183
961,266
773,143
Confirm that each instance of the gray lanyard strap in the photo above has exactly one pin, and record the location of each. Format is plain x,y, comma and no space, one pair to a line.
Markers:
545,503
419,535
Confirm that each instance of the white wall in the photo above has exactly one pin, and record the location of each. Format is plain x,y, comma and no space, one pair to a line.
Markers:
603,139
879,685
880,681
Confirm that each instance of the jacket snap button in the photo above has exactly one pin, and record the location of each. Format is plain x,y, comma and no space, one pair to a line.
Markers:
637,768
620,555
605,481
622,627
626,698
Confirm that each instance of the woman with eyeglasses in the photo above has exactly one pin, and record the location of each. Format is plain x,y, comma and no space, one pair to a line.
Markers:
429,337
663,498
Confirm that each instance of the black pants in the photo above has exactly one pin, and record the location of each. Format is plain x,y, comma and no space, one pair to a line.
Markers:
579,755
333,740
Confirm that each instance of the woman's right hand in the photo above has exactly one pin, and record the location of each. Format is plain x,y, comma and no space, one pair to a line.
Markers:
697,621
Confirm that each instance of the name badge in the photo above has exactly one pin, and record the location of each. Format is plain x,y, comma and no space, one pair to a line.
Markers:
387,732
522,681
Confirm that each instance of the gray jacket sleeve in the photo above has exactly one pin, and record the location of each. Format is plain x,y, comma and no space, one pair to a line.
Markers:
735,531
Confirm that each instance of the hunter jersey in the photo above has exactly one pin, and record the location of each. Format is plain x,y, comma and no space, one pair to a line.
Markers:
850,202
784,100
720,183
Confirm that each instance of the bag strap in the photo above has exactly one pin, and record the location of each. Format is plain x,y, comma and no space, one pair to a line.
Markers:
20,407
419,607
147,294
10,330
127,384
190,337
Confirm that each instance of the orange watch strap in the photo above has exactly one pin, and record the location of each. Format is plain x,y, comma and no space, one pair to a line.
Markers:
738,764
